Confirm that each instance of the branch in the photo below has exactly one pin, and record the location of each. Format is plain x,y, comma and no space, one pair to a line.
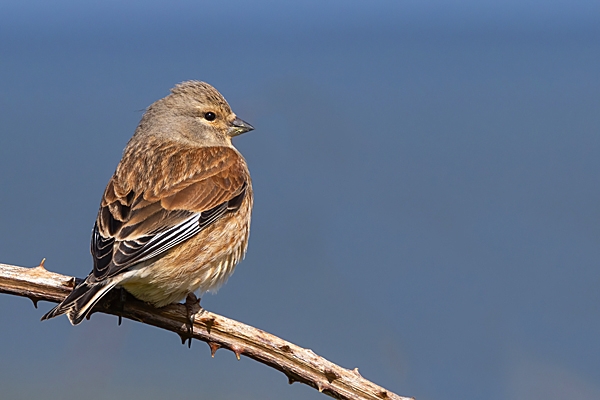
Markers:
297,363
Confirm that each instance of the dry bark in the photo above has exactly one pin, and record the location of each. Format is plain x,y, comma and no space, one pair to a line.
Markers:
297,363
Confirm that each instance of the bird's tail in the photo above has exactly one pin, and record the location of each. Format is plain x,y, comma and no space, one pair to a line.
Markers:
80,301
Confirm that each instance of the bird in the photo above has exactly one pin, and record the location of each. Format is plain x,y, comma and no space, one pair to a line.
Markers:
175,216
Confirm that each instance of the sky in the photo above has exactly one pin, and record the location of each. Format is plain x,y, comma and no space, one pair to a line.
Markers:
426,178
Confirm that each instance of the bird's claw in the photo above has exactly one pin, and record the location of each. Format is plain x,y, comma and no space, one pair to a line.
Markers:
192,306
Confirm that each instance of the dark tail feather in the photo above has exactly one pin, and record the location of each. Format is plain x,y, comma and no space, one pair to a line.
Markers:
80,301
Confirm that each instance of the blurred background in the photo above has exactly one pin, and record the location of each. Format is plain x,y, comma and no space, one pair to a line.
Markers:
427,190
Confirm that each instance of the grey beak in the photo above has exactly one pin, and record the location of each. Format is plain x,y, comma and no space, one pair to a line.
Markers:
238,127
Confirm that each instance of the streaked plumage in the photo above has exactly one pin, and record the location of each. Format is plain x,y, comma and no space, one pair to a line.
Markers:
175,216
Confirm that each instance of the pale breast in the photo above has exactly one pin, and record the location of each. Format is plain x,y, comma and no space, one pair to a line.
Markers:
203,263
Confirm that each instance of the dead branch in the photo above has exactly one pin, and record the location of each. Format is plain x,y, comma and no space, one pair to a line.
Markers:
297,363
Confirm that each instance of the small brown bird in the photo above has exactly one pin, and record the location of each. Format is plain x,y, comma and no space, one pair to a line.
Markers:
175,216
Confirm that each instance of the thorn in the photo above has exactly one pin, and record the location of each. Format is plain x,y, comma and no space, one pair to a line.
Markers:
120,320
213,348
237,351
331,375
209,324
183,338
42,264
190,342
355,370
291,379
34,300
320,387
285,348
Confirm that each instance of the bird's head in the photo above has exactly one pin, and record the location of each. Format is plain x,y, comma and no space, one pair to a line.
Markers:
195,110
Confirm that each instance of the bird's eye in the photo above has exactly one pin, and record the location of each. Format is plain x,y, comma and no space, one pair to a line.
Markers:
210,116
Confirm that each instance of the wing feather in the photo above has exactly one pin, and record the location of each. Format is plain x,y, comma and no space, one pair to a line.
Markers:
141,217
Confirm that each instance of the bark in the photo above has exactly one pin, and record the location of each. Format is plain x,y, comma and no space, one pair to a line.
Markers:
297,363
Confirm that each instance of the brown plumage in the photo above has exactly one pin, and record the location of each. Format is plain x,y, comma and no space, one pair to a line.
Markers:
175,216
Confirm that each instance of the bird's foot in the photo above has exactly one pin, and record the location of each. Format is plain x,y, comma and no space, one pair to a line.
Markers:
192,306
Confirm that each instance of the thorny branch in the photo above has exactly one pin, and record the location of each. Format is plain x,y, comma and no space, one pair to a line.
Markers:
297,363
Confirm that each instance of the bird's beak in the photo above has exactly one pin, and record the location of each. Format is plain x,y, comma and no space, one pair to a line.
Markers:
238,127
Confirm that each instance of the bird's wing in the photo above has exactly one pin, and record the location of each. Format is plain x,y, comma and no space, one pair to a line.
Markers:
143,216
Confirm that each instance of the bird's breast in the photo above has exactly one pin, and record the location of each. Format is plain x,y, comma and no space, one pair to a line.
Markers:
202,263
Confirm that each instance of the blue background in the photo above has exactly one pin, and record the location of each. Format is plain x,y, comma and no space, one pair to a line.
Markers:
426,178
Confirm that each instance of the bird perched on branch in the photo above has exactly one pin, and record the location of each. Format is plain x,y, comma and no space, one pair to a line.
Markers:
175,216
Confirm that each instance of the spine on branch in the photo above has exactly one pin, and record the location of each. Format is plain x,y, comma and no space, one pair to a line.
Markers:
297,363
